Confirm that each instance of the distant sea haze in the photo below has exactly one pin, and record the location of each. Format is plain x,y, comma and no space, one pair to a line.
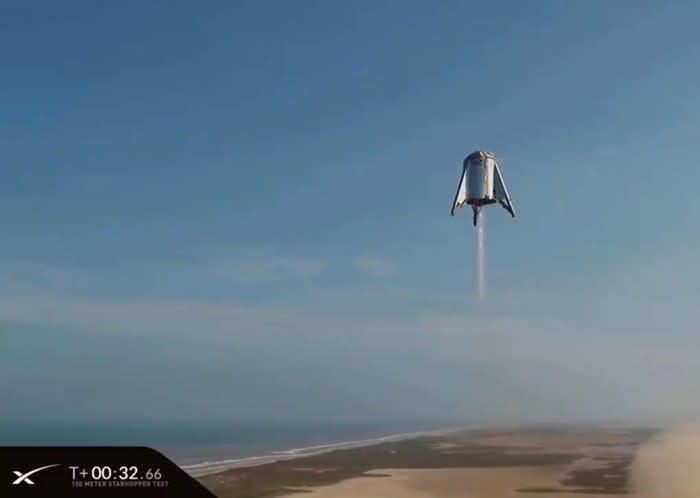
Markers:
207,447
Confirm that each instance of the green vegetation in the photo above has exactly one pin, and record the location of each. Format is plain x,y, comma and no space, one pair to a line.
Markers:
611,479
279,478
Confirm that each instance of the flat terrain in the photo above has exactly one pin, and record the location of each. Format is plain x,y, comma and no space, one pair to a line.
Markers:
558,462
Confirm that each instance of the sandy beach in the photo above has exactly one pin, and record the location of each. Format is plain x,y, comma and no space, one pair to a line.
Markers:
450,483
493,463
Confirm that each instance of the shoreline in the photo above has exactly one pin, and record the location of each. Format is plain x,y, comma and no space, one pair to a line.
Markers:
471,461
209,468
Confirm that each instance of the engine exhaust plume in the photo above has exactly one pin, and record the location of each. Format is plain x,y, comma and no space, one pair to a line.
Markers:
481,257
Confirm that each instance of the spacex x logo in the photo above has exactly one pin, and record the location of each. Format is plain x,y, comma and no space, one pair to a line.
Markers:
24,478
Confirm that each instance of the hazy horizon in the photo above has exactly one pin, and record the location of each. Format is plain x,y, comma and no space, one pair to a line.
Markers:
242,211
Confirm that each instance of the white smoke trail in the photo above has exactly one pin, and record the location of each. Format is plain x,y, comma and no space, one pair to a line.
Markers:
481,255
668,466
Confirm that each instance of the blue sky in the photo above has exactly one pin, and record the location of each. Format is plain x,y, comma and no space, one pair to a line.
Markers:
241,209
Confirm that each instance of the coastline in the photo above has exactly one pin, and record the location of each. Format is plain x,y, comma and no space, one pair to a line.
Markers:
208,468
473,462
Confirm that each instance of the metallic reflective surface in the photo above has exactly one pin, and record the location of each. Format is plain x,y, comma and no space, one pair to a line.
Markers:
481,184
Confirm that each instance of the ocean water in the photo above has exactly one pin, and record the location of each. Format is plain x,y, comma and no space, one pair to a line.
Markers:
206,447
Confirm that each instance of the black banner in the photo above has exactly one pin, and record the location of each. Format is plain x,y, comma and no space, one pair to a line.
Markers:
93,471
